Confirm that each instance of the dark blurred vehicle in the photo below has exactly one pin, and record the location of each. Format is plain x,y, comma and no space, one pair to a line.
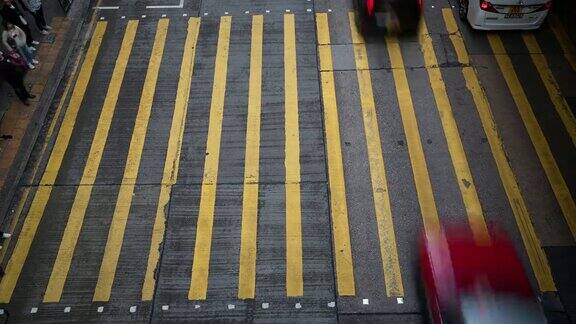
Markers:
469,282
394,16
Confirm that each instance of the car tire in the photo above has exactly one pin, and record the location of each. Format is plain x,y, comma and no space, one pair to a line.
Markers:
463,9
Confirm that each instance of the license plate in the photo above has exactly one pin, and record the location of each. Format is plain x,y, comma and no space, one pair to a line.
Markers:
514,12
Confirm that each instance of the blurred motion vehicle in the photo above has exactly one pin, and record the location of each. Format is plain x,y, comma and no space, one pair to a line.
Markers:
504,14
393,16
466,281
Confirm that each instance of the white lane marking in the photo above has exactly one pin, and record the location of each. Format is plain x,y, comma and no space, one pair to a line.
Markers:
329,10
123,17
184,15
332,304
196,306
309,10
67,309
143,16
365,301
163,15
101,18
34,310
225,12
181,5
287,10
133,309
267,11
298,306
100,309
231,306
400,300
205,14
107,8
265,305
246,12
165,307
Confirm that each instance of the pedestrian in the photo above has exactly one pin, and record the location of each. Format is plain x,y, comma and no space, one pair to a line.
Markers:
12,14
14,38
14,76
35,8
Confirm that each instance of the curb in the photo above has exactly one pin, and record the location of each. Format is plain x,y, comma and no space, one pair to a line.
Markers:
72,37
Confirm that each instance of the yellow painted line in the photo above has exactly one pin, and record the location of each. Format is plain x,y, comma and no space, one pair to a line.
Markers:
552,87
564,40
124,200
20,253
388,250
76,218
247,272
457,153
294,278
417,158
172,154
338,206
543,151
531,242
203,245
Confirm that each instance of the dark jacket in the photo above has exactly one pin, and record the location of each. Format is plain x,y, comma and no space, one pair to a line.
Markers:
10,72
12,15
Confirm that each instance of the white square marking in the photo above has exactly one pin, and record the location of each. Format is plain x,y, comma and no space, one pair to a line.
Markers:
298,306
165,307
143,16
196,306
101,18
1,312
309,10
34,310
100,309
225,12
67,309
123,17
400,300
267,11
184,15
231,306
329,10
432,7
132,309
164,16
265,305
365,301
332,304
246,12
287,10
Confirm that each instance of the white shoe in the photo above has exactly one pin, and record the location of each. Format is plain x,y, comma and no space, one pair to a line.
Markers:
35,42
32,48
31,66
48,27
35,61
44,32
6,235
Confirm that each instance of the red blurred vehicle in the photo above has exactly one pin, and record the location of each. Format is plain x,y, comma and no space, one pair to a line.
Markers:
469,282
395,16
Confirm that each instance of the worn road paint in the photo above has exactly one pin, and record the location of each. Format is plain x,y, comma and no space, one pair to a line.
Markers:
388,249
338,206
555,178
294,277
26,237
203,244
84,191
564,40
247,271
124,200
174,147
536,255
455,147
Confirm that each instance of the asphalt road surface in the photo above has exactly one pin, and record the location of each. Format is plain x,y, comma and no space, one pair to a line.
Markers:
262,161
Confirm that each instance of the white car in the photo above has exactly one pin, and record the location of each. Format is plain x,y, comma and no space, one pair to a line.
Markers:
504,14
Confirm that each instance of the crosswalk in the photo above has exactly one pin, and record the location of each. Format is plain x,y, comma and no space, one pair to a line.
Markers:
204,214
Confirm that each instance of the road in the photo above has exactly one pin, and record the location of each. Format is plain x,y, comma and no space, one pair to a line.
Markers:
263,162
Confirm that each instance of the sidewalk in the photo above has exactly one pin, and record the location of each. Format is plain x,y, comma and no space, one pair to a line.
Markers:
19,124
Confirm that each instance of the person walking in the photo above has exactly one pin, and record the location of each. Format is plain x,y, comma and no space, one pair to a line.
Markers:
14,38
35,8
14,76
12,14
